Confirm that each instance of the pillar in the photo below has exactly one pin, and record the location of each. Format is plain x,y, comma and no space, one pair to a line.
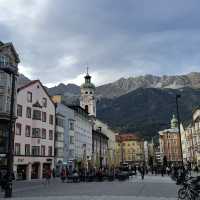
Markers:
28,171
40,173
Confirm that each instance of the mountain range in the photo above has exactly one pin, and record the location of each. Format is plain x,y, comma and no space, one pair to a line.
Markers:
143,104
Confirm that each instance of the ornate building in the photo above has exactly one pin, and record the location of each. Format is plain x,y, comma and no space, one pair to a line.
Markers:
129,149
8,70
87,100
169,140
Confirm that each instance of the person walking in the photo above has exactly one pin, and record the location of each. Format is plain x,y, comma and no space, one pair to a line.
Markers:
47,176
63,175
142,171
53,173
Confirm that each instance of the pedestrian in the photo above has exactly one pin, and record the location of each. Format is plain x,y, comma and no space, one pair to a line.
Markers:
47,176
53,173
142,171
168,170
63,175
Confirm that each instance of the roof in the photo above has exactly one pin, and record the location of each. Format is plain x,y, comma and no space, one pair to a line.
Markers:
128,137
78,109
170,130
3,45
97,132
32,83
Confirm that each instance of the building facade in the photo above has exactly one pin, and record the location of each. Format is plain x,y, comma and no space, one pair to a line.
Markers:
34,132
169,141
190,137
59,142
69,134
8,64
100,157
111,135
82,134
129,149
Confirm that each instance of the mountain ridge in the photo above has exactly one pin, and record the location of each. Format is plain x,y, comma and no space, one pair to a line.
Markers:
125,85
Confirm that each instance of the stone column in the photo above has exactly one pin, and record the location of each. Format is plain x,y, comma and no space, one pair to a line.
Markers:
28,171
40,173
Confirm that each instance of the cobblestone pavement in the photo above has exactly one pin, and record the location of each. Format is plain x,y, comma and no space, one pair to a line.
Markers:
151,188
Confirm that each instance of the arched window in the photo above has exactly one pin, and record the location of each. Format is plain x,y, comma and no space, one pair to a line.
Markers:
86,108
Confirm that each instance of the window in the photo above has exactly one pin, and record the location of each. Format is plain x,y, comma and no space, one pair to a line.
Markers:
19,110
35,150
8,104
44,133
17,149
28,131
42,150
3,140
4,60
59,136
71,125
71,153
29,97
71,139
50,135
51,119
27,149
86,108
59,122
37,114
28,112
1,103
50,151
44,102
18,129
44,116
35,133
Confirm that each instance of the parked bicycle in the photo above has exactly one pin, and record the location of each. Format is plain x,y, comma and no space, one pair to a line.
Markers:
190,189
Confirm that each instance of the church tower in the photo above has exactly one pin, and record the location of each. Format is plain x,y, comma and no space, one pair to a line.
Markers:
87,100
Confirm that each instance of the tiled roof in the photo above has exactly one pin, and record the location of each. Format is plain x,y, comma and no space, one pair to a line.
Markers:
127,137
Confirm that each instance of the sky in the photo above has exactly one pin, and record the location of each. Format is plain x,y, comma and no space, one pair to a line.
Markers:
57,40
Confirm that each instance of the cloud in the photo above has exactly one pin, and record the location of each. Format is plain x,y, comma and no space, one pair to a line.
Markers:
56,40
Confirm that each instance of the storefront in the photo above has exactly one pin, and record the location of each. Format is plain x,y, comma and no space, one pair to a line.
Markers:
21,172
35,171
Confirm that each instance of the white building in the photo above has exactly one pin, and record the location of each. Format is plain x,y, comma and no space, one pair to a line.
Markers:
88,100
59,142
107,131
68,130
34,132
82,134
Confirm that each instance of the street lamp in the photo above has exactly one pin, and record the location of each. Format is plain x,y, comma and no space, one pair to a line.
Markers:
179,131
7,67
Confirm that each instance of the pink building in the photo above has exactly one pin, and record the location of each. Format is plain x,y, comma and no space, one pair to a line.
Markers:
34,132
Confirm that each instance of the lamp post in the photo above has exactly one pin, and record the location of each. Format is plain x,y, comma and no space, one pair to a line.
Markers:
179,131
12,70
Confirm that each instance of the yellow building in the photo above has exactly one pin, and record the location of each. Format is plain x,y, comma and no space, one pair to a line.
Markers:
56,98
129,149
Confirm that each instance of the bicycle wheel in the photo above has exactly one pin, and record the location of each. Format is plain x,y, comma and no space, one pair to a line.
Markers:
182,193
